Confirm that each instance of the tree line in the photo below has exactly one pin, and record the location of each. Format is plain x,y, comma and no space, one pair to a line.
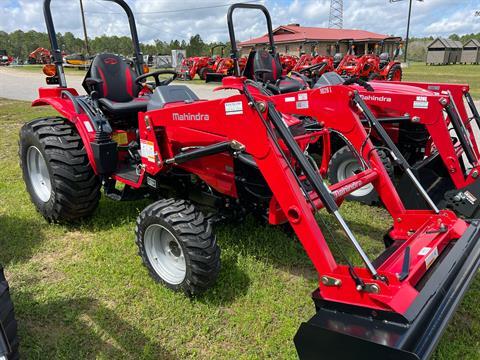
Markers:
20,44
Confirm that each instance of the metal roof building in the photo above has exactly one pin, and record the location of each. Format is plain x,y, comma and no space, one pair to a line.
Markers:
444,51
471,52
294,39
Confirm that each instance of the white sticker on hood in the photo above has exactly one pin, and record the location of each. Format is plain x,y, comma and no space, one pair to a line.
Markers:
303,96
289,99
234,108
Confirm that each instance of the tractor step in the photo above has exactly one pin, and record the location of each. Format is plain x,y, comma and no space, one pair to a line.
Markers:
342,331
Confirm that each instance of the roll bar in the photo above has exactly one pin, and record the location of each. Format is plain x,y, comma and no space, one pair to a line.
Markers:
57,53
231,31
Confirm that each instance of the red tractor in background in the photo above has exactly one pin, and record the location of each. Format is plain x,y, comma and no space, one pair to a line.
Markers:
213,63
191,66
5,59
371,66
224,68
288,63
40,56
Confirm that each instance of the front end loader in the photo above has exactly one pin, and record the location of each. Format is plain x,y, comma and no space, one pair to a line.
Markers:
242,155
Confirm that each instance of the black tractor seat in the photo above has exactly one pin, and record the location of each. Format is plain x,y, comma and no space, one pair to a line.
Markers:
266,68
114,81
118,108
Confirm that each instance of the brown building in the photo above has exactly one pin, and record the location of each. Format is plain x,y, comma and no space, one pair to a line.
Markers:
294,39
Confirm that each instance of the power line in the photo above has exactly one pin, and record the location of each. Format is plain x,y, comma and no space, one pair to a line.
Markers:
168,11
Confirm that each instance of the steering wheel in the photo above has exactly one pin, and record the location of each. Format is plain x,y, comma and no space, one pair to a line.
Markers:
156,76
312,68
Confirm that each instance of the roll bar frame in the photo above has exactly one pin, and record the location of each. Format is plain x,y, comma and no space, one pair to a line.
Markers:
57,53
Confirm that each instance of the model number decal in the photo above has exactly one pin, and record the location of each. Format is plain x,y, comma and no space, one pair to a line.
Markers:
147,150
302,104
234,108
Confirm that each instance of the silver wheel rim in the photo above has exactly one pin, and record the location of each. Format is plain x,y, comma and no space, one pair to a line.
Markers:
349,168
165,254
38,174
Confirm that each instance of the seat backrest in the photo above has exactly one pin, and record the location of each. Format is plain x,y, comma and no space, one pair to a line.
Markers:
385,56
337,57
118,78
264,60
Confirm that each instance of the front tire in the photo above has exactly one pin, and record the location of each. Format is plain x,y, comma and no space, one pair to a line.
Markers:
56,170
7,317
344,164
177,246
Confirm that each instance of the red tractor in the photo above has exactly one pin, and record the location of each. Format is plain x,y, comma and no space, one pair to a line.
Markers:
213,63
288,63
40,56
191,66
380,65
224,68
5,59
241,155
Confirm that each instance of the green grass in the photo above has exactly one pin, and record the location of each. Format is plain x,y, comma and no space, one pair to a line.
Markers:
463,74
82,292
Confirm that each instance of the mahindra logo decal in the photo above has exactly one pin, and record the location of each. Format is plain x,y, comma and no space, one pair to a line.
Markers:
110,61
191,117
376,98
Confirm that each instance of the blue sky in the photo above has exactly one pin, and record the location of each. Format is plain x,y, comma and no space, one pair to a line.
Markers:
170,19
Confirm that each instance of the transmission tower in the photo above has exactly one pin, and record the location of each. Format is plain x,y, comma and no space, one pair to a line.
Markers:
336,14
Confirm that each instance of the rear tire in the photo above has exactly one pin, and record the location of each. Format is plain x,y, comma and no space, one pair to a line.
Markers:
7,317
203,73
344,164
395,73
56,170
177,246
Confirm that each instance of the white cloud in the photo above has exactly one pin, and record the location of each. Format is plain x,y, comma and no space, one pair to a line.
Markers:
431,17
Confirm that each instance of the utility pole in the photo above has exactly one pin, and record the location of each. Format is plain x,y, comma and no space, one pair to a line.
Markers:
84,28
408,25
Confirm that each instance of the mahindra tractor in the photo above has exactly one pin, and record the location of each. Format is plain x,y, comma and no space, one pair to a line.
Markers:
213,62
388,67
191,66
378,65
288,63
5,59
244,155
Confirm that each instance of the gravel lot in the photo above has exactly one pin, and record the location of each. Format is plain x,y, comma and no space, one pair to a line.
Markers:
22,85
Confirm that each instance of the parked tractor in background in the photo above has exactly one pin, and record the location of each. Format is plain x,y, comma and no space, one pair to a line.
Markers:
213,63
191,66
288,63
40,56
5,59
224,68
378,65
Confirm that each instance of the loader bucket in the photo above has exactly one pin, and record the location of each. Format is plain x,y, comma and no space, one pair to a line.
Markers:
341,331
434,177
214,77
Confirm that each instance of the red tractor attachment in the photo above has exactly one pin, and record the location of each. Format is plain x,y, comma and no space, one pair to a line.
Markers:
243,155
40,56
